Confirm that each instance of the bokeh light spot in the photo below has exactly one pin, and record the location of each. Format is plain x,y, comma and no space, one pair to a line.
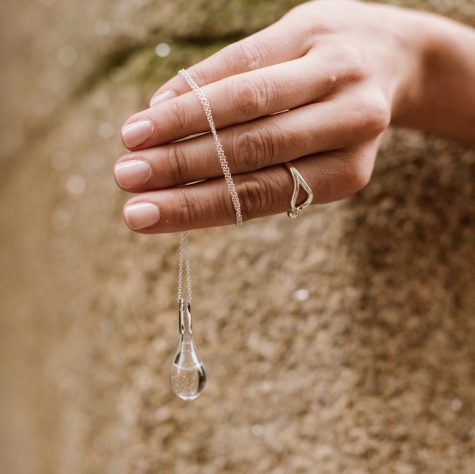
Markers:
76,185
301,294
162,50
67,56
102,27
100,99
105,130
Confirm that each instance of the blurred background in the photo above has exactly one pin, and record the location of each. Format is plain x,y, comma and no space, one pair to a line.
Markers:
343,342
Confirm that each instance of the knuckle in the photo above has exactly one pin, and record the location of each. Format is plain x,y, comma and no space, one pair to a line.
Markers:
358,173
354,63
379,115
311,21
252,96
253,150
199,76
248,56
188,212
374,114
179,116
253,197
177,164
224,205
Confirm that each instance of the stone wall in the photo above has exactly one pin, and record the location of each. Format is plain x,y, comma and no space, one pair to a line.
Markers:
373,372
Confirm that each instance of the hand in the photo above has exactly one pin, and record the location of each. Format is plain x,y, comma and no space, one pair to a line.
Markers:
336,70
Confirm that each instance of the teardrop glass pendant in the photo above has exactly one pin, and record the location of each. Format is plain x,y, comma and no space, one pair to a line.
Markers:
187,373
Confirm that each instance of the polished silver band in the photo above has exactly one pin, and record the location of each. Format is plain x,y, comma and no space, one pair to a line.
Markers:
298,182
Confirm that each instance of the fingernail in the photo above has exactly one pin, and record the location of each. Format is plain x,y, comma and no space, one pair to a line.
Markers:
162,97
142,215
136,133
133,173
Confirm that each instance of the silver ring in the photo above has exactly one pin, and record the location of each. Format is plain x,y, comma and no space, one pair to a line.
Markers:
298,182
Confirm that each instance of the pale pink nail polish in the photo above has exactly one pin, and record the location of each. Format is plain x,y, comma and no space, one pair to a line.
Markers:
133,173
141,215
162,97
136,133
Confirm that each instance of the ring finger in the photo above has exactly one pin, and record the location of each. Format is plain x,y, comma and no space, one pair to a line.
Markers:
331,176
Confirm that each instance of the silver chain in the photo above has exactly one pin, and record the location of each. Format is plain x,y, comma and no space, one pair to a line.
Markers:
184,256
222,157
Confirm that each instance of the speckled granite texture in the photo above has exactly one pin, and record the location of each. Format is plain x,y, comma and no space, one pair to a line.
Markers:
373,373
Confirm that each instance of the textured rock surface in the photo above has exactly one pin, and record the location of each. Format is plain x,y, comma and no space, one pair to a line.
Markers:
374,372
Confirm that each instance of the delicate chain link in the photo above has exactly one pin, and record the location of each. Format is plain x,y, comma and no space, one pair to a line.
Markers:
219,148
184,256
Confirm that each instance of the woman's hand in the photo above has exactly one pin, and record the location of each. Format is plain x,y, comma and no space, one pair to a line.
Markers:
317,88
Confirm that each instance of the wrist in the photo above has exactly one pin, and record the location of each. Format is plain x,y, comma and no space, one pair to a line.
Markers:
414,43
440,97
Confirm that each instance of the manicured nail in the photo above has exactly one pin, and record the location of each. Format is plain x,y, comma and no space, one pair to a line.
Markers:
133,173
136,133
142,215
162,97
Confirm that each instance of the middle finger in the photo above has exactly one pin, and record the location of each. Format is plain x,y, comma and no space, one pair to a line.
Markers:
251,146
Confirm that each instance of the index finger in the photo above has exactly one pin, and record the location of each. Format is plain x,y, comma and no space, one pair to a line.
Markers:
275,44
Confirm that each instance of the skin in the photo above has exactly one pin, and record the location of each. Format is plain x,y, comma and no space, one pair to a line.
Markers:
341,70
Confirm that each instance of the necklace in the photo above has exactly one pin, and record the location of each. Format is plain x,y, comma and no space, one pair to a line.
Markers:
187,372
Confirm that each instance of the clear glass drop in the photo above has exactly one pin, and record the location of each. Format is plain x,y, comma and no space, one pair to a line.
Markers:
187,373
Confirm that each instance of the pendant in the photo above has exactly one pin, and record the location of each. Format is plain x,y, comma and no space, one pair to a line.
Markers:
187,373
